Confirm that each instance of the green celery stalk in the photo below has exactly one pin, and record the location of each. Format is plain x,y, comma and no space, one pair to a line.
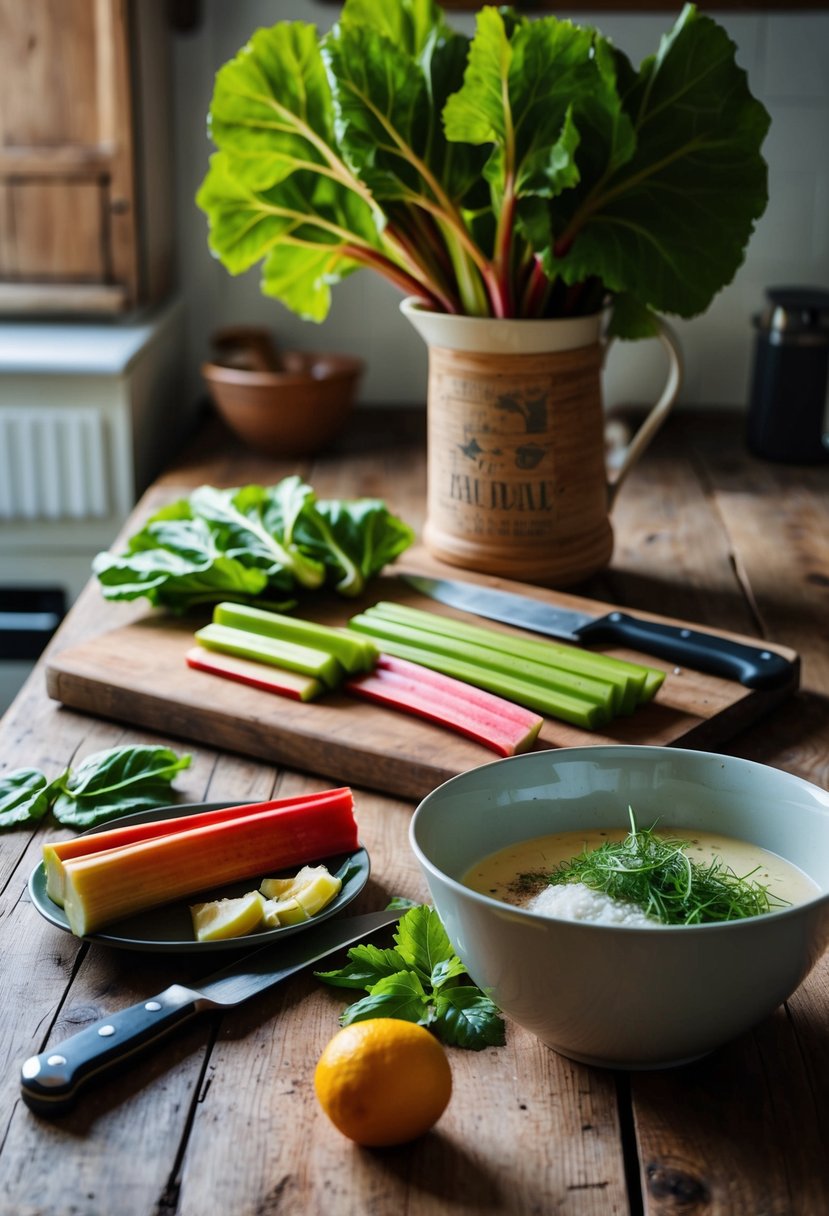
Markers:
305,659
600,692
353,654
635,681
556,704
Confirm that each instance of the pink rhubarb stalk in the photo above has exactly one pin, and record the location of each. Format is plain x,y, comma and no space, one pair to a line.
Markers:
504,727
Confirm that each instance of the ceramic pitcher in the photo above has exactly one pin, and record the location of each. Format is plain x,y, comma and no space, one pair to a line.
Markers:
518,484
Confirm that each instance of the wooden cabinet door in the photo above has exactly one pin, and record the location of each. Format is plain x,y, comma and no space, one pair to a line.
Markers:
70,215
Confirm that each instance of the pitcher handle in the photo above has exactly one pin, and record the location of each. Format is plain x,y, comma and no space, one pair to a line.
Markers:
658,413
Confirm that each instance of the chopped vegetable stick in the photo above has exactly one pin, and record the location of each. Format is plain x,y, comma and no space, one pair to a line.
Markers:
352,653
551,698
305,659
629,676
255,674
573,683
59,851
468,693
501,734
118,882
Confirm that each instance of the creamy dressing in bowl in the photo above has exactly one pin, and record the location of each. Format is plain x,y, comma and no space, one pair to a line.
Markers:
517,874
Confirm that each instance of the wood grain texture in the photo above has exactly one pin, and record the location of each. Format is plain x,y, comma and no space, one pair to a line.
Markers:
84,220
222,1117
138,674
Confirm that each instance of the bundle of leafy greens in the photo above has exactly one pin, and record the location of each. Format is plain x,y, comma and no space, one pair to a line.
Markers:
530,171
656,874
256,543
104,786
419,980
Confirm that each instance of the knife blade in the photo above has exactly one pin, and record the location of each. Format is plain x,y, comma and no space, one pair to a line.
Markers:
50,1081
753,666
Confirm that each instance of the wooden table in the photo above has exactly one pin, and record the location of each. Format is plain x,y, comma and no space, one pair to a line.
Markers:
222,1118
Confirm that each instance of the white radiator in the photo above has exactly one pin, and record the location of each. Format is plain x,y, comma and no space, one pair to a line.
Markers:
53,463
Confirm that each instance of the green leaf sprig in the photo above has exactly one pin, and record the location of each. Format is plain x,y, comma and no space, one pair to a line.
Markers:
419,980
656,874
104,786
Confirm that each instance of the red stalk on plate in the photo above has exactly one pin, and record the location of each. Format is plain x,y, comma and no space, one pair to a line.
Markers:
106,886
56,853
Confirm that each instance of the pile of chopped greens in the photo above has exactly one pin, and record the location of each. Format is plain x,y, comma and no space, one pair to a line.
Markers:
104,786
419,980
261,544
656,874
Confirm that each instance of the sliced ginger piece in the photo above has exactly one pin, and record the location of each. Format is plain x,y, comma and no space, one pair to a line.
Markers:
222,918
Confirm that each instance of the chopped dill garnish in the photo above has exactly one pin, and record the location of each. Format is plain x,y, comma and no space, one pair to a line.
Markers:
656,874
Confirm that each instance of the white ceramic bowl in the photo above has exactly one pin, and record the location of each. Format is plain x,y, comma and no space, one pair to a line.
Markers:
607,995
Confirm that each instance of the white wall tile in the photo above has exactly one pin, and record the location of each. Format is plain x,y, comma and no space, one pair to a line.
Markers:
797,50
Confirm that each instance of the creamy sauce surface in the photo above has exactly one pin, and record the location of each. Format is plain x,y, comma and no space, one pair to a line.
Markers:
499,874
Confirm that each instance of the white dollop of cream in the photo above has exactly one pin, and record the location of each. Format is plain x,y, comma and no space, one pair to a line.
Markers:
575,901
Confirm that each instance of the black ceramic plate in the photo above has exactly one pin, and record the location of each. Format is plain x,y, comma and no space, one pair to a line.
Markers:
169,927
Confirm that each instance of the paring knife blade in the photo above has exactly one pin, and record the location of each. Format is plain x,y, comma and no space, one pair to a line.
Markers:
50,1081
753,666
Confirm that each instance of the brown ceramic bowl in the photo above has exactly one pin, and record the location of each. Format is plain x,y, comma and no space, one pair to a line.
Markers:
296,411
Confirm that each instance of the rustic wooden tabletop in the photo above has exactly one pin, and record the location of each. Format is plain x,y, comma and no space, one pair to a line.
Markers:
222,1117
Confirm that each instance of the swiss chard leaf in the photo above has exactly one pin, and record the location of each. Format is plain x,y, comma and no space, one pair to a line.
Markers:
172,582
115,782
670,225
486,176
523,80
271,106
259,523
25,797
253,543
354,539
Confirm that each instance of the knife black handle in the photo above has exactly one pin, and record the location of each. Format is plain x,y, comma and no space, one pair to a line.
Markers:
753,666
49,1082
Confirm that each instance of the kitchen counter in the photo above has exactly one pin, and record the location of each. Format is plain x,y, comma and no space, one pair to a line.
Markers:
222,1116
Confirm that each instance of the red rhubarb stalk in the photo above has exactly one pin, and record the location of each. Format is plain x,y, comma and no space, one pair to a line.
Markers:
56,853
450,703
119,882
426,676
256,675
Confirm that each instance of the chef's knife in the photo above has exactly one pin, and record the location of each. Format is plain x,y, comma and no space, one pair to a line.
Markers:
50,1081
753,666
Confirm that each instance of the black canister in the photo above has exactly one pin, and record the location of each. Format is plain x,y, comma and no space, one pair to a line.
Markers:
787,416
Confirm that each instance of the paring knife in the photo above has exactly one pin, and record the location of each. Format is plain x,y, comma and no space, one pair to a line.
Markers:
50,1081
753,666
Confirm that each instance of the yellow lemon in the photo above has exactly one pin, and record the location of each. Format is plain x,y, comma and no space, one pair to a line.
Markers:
383,1081
222,918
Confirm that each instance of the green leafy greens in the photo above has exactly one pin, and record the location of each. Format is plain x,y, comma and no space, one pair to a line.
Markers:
419,980
529,171
253,544
656,874
104,786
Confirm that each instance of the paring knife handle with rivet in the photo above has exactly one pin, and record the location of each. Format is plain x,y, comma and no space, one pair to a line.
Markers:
50,1082
752,666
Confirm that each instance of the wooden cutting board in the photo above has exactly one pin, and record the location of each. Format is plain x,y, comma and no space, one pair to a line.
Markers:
137,674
